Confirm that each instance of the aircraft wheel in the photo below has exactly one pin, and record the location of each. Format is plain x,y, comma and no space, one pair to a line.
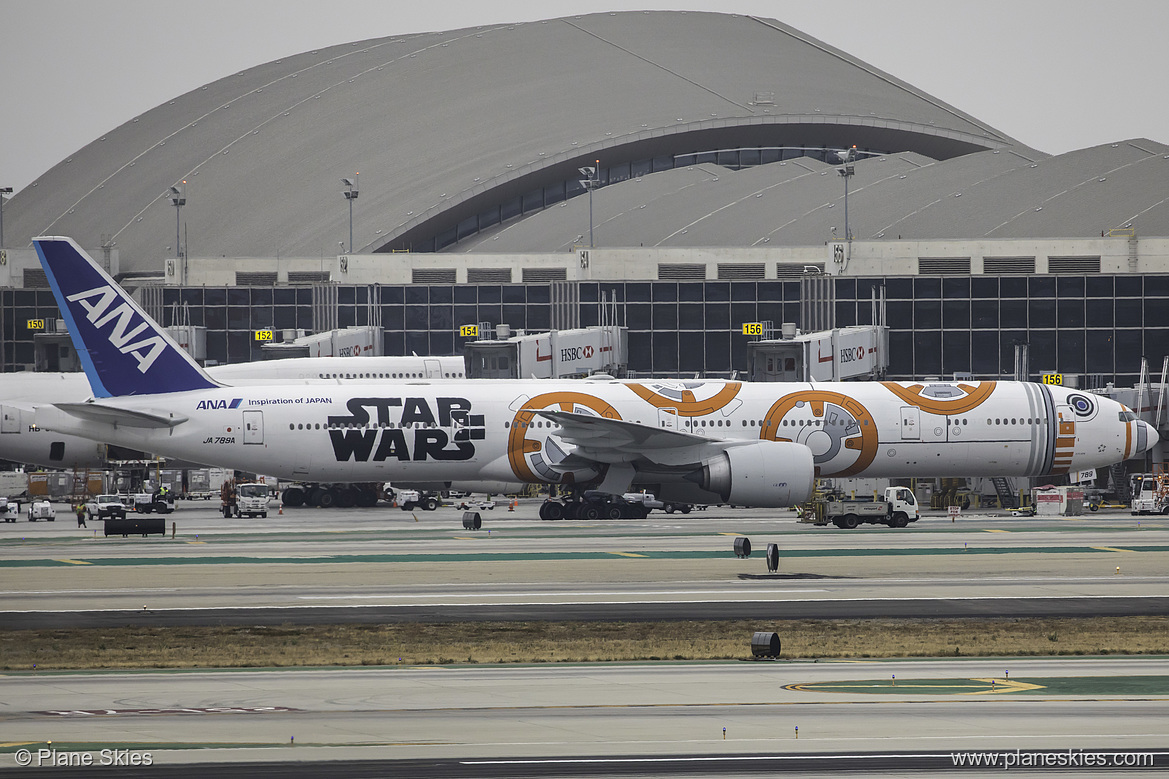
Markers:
328,499
592,512
614,512
346,498
293,497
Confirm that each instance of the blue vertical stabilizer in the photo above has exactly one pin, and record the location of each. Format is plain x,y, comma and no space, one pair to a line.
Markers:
124,351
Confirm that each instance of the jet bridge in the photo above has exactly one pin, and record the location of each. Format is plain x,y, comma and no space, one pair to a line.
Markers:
842,354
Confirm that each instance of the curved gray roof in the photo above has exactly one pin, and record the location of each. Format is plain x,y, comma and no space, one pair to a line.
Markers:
471,133
445,127
992,194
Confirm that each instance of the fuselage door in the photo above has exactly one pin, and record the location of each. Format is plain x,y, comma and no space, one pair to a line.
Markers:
253,427
910,423
9,419
668,418
433,369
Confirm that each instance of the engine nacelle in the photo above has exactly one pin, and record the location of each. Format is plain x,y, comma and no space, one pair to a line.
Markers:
766,474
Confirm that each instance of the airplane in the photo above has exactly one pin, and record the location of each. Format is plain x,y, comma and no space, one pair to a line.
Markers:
21,441
705,442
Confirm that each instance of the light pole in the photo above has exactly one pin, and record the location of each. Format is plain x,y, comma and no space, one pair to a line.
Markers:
178,198
847,158
350,194
590,182
3,191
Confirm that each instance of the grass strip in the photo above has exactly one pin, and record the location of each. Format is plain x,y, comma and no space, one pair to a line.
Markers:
542,642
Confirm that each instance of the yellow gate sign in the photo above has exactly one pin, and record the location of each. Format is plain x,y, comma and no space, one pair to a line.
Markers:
752,328
1053,378
469,331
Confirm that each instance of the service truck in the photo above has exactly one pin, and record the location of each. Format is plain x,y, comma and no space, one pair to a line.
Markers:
1150,494
106,507
898,509
41,509
245,498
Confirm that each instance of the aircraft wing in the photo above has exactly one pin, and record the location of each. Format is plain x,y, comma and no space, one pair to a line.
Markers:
112,415
614,440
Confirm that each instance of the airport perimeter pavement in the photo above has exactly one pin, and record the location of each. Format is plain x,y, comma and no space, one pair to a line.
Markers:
651,719
381,564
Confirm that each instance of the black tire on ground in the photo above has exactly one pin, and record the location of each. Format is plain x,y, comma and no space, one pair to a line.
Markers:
407,507
592,512
669,509
686,509
614,512
850,521
328,499
430,504
314,497
293,497
366,497
346,498
264,514
899,520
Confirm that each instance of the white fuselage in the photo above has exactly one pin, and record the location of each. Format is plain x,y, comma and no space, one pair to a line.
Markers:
490,430
21,441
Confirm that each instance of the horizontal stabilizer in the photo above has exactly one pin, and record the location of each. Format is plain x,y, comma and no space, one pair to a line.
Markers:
121,417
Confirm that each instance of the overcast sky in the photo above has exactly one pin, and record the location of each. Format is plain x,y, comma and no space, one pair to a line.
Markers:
1055,74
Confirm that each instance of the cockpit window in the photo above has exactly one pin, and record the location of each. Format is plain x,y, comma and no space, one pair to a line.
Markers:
1128,416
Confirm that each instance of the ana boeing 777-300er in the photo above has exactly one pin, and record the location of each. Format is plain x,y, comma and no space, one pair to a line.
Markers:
21,441
751,444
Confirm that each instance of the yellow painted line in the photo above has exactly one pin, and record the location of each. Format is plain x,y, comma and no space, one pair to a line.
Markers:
1004,685
18,743
196,542
74,562
729,534
627,554
1112,549
463,538
995,531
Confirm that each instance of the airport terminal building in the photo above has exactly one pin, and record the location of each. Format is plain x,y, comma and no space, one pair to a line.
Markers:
741,172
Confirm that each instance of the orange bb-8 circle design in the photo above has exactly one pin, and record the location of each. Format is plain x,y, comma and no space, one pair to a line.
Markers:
839,430
688,398
943,398
534,451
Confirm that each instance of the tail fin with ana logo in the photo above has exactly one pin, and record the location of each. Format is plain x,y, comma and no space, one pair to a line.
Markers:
123,351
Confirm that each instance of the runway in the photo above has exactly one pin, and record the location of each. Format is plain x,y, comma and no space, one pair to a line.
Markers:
647,719
377,565
652,719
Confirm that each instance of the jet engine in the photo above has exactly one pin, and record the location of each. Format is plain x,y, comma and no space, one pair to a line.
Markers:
765,474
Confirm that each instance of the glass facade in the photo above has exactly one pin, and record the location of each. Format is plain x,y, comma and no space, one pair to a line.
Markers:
939,326
558,191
